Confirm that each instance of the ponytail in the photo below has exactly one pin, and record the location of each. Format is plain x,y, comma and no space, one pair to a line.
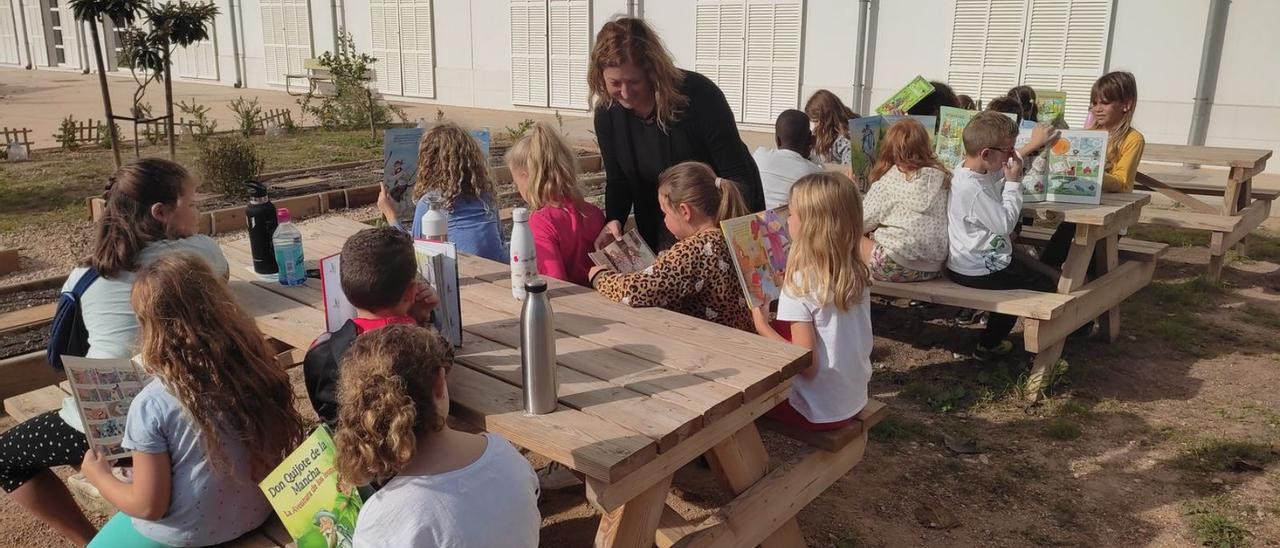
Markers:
386,400
127,225
551,164
731,203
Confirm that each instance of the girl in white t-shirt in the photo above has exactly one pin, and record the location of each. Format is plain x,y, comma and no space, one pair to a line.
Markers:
440,487
827,300
150,212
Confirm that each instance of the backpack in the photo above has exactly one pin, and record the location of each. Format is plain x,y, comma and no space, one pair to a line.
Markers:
68,335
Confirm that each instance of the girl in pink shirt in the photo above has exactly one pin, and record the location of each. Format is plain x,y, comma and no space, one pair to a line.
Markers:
564,225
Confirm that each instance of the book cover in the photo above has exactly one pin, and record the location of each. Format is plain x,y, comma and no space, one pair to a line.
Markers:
103,390
759,243
400,167
485,139
305,494
948,144
866,134
630,254
1069,170
438,264
1050,107
337,309
915,90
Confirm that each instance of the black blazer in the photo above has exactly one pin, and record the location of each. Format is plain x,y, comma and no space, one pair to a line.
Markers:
706,132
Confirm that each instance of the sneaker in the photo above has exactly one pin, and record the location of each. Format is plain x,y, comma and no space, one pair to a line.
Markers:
969,316
555,476
982,353
1084,331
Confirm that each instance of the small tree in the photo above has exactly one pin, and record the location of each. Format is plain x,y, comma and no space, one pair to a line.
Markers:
122,13
352,104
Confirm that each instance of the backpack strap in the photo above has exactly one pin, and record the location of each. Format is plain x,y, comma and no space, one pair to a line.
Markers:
84,282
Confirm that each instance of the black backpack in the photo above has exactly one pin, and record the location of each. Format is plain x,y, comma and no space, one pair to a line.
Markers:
68,335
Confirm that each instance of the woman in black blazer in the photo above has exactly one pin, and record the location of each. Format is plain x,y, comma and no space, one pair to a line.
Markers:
649,116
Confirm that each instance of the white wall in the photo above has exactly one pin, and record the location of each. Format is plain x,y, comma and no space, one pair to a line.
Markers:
1246,110
830,42
1165,63
907,39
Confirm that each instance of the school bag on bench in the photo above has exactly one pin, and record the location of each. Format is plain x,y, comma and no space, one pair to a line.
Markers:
68,335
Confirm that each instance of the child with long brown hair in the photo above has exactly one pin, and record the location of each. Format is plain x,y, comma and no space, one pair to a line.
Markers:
149,213
215,419
827,299
830,119
564,225
696,276
451,164
441,487
905,212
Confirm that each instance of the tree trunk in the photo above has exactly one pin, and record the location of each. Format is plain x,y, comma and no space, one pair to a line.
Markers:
168,104
106,94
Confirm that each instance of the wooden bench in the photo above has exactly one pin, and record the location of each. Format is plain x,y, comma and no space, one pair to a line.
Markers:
1129,248
319,80
1243,208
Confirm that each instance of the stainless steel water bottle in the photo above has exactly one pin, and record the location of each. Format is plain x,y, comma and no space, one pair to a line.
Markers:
538,349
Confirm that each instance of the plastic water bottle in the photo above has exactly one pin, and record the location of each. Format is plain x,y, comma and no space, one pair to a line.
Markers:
524,261
538,349
435,222
287,242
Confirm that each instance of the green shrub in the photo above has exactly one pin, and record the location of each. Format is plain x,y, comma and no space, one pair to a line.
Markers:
522,128
227,162
104,134
247,113
352,104
67,134
199,114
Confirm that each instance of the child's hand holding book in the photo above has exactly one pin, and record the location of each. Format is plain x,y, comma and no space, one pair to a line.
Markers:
425,300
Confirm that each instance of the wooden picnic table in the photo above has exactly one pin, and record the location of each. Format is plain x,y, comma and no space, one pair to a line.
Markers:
642,393
1243,206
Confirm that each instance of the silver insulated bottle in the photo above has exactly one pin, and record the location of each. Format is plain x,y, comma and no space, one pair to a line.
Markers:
538,349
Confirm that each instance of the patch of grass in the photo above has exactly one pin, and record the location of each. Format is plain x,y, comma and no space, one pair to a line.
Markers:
939,397
1258,315
1264,246
1212,526
895,429
1222,455
1074,407
1178,237
1062,429
1167,312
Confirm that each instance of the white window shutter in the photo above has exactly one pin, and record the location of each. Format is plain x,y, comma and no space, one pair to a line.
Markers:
772,81
1067,49
297,34
35,33
720,47
569,45
385,35
286,37
8,36
416,55
70,40
986,47
529,52
199,60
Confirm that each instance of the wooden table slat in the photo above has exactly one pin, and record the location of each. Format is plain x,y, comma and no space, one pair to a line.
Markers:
1211,156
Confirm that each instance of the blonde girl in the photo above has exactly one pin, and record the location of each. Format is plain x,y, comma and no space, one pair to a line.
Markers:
451,164
905,212
827,298
564,225
215,418
441,487
696,276
830,120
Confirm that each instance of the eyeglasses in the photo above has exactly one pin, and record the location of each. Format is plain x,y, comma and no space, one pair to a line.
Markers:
1007,151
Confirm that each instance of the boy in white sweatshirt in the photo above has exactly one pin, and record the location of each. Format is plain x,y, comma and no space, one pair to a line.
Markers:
982,214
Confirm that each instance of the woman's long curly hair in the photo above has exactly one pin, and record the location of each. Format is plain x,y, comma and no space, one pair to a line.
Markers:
385,398
630,40
831,121
450,162
213,359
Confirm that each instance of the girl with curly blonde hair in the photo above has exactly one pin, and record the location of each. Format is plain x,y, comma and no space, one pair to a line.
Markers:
441,487
452,167
215,419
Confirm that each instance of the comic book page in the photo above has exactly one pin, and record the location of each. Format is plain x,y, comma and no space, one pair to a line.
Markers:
915,90
759,243
630,254
1050,106
1076,162
103,390
400,167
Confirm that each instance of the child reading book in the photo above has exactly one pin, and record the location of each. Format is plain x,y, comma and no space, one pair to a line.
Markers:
1025,97
451,164
829,118
905,212
441,487
981,219
217,417
564,225
696,276
149,213
827,299
379,277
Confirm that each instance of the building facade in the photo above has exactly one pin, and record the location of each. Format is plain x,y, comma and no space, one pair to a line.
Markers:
767,55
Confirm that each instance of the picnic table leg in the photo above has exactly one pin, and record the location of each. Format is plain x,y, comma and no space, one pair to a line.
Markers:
635,523
1042,369
1217,256
1107,258
741,460
1076,268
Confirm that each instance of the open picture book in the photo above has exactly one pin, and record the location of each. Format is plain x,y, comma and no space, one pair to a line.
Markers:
1051,105
1068,170
630,254
400,164
948,144
103,390
759,243
305,493
437,264
915,90
865,135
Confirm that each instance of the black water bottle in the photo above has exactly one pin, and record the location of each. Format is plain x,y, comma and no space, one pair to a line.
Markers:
261,215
